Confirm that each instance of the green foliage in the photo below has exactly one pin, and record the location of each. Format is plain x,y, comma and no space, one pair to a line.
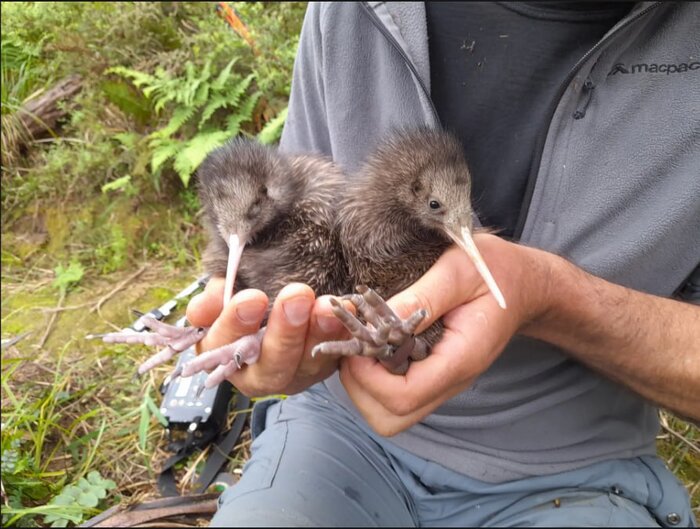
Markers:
112,250
86,493
275,28
128,100
105,191
120,183
18,71
273,130
11,462
67,277
205,84
147,409
193,100
190,203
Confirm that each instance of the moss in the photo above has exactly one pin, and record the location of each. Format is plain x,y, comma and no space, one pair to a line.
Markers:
30,309
21,310
18,247
58,227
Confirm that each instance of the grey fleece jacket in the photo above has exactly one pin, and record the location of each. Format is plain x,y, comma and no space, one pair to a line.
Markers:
616,191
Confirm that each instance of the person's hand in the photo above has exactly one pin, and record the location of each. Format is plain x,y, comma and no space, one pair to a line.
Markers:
296,323
476,331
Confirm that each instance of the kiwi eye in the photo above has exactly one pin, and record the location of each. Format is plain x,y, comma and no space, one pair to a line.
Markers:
263,190
434,204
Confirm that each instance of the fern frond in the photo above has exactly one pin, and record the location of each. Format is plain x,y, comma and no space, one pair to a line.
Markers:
162,97
159,88
218,101
244,113
163,152
189,72
229,98
272,130
137,78
160,83
189,92
238,89
223,76
205,75
167,91
180,116
201,95
194,152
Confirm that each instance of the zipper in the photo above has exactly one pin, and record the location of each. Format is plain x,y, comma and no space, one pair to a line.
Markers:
587,90
542,138
387,34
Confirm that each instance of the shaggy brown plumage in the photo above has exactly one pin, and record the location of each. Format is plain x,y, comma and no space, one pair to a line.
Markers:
409,203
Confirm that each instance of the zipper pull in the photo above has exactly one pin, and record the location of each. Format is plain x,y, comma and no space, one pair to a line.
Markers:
588,87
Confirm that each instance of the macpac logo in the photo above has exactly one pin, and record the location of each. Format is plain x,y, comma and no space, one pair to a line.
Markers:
667,69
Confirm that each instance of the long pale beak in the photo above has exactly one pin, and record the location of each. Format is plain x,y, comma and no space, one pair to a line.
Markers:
467,244
235,250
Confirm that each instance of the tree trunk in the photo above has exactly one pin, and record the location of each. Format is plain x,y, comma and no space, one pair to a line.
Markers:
38,117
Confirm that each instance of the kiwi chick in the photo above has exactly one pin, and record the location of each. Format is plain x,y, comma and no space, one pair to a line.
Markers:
271,221
282,210
410,202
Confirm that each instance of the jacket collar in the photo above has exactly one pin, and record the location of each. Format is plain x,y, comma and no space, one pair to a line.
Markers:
406,22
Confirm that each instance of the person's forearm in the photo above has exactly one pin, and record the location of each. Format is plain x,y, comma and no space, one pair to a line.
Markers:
648,343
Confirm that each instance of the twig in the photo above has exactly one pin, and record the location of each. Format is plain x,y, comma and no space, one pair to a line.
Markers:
96,306
190,473
42,367
52,310
116,289
12,341
5,498
33,267
49,327
136,485
665,425
678,436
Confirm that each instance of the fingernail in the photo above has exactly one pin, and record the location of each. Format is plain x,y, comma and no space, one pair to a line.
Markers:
250,312
297,310
329,324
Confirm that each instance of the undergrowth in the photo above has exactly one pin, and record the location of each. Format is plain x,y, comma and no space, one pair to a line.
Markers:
105,199
163,83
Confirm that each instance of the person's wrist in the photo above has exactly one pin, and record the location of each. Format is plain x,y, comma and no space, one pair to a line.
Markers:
542,280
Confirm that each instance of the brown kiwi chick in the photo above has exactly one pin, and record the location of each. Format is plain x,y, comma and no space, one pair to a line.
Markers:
270,219
410,202
281,209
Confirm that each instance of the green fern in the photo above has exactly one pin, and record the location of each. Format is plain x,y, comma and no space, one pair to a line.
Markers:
245,113
272,130
194,152
229,99
196,94
163,151
224,75
181,115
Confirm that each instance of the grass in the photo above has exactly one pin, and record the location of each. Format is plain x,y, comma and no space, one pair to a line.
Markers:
73,406
84,211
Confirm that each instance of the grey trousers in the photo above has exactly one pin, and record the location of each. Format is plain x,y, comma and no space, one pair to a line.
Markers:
315,464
